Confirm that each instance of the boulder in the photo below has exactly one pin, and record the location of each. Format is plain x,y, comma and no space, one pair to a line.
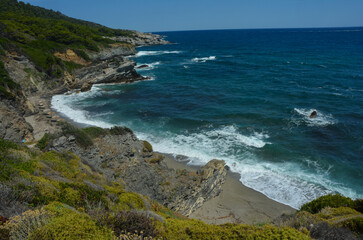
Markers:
86,87
143,66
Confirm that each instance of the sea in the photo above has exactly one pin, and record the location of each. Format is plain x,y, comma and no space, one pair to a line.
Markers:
245,96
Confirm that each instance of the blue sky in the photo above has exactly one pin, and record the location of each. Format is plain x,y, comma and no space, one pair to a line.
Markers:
169,15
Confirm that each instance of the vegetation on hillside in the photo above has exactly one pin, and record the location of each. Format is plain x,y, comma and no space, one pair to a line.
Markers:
39,33
332,216
51,195
7,85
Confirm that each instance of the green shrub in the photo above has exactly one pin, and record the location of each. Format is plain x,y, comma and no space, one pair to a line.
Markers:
194,229
130,200
70,66
44,141
354,224
125,222
14,160
358,205
69,224
6,83
6,145
157,159
20,227
82,54
94,132
80,195
147,147
120,130
330,200
82,138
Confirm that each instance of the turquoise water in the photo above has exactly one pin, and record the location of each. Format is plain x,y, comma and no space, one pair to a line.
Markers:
245,96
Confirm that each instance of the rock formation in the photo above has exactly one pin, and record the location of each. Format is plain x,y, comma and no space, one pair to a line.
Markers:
124,159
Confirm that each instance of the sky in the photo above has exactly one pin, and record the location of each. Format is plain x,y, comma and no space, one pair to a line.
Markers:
174,15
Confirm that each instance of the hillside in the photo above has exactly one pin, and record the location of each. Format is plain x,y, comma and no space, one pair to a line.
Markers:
58,181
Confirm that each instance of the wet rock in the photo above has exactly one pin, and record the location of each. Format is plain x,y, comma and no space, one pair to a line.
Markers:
143,66
86,87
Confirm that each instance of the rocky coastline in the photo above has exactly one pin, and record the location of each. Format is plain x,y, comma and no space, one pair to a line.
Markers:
125,158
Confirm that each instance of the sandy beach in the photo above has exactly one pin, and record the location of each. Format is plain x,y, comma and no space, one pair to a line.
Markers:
236,203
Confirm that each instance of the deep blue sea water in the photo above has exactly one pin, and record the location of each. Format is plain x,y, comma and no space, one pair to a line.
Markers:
245,96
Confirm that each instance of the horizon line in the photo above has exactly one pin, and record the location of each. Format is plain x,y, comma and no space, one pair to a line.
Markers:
267,28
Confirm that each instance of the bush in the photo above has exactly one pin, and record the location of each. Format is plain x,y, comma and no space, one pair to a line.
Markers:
6,83
82,54
94,132
44,141
157,159
20,227
354,225
358,205
120,130
130,200
6,145
12,202
147,147
82,138
194,229
129,222
330,200
69,224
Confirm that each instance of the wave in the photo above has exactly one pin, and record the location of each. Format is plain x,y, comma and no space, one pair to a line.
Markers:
226,141
65,104
321,119
290,183
204,59
150,66
153,53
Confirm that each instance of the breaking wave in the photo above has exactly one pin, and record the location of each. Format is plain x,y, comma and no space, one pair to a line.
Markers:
153,53
321,119
204,59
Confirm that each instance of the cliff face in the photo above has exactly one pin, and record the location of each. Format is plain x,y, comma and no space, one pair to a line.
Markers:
125,159
106,66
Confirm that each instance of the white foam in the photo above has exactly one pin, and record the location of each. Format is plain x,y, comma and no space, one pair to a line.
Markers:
149,78
153,53
321,119
150,66
65,104
291,183
204,59
205,145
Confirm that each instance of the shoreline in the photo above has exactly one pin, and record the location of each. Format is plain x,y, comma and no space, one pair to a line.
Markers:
236,203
